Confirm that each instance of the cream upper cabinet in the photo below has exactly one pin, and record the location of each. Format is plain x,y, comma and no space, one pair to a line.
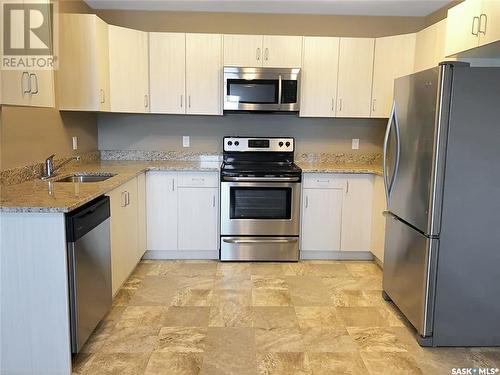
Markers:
83,75
354,88
430,46
167,72
394,57
243,50
318,90
463,27
489,31
204,74
128,70
282,51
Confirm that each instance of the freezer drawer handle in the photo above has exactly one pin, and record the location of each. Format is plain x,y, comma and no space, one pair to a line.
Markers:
229,240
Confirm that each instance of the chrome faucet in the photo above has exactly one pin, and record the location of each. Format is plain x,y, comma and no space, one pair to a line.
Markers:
50,170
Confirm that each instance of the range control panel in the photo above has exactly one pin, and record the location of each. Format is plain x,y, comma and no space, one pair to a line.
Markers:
240,144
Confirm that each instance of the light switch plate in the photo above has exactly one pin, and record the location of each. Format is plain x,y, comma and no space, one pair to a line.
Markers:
75,143
355,143
185,141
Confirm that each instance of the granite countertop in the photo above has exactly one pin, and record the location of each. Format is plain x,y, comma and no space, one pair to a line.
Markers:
48,196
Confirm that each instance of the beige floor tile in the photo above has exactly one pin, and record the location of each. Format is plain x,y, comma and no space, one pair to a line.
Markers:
192,297
337,364
230,315
283,364
318,316
154,291
363,268
294,269
443,360
182,339
334,284
98,338
279,340
238,297
186,316
361,317
230,339
271,297
274,317
138,316
118,363
233,281
194,281
320,339
131,340
330,269
163,268
268,282
81,362
196,268
308,291
165,363
349,298
267,269
123,297
376,339
231,268
390,363
392,316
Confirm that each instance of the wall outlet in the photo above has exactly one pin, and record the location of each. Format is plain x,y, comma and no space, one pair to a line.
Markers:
185,141
355,143
75,143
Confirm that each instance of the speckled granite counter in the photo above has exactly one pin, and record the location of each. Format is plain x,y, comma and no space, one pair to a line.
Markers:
325,167
48,196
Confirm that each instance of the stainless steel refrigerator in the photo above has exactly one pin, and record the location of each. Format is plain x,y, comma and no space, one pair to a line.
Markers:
442,180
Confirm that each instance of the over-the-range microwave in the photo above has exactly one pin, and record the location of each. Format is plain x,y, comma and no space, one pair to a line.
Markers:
261,89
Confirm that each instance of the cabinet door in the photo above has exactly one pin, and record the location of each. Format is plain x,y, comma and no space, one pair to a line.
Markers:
102,61
198,218
430,46
355,77
394,58
462,27
16,87
167,72
282,51
319,77
378,218
128,70
243,50
204,74
357,213
321,219
490,22
141,215
42,88
161,209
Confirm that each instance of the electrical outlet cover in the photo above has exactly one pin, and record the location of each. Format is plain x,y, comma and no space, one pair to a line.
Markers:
185,141
355,143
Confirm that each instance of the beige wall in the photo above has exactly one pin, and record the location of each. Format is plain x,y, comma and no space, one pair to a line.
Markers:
29,135
164,132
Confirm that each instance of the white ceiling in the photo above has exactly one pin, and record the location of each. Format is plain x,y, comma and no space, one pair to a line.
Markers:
416,8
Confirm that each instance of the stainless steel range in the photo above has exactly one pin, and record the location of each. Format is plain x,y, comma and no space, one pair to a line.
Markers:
260,200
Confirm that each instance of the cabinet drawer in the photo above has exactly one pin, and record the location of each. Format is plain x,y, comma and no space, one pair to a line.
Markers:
323,181
198,179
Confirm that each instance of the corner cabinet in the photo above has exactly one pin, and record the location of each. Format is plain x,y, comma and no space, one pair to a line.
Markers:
128,70
430,46
336,216
182,215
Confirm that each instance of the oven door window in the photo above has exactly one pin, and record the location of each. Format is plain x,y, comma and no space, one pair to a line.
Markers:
261,203
255,91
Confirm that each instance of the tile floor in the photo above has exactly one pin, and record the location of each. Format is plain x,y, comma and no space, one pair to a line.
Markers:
204,317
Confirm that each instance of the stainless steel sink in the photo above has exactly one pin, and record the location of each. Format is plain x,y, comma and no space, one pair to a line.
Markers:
80,177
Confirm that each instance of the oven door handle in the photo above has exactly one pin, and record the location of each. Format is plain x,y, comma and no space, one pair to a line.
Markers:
277,240
261,179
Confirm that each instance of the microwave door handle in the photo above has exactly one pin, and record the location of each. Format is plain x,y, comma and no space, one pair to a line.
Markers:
280,82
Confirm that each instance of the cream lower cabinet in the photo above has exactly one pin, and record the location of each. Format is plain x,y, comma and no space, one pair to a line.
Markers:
378,218
128,70
182,215
318,90
354,89
336,216
394,58
124,232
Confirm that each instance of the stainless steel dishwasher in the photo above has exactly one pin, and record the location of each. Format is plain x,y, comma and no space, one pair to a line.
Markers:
89,268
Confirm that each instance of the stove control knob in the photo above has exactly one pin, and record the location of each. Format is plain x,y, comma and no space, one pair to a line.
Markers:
287,144
236,143
229,143
280,144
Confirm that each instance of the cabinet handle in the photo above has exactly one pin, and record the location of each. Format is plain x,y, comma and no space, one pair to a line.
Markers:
173,185
333,104
258,54
373,104
128,198
266,54
182,99
213,201
23,80
124,198
103,97
340,105
307,201
347,188
189,101
146,101
36,83
481,22
476,18
323,181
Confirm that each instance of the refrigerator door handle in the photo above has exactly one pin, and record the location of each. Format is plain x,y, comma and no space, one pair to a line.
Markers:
398,149
384,162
